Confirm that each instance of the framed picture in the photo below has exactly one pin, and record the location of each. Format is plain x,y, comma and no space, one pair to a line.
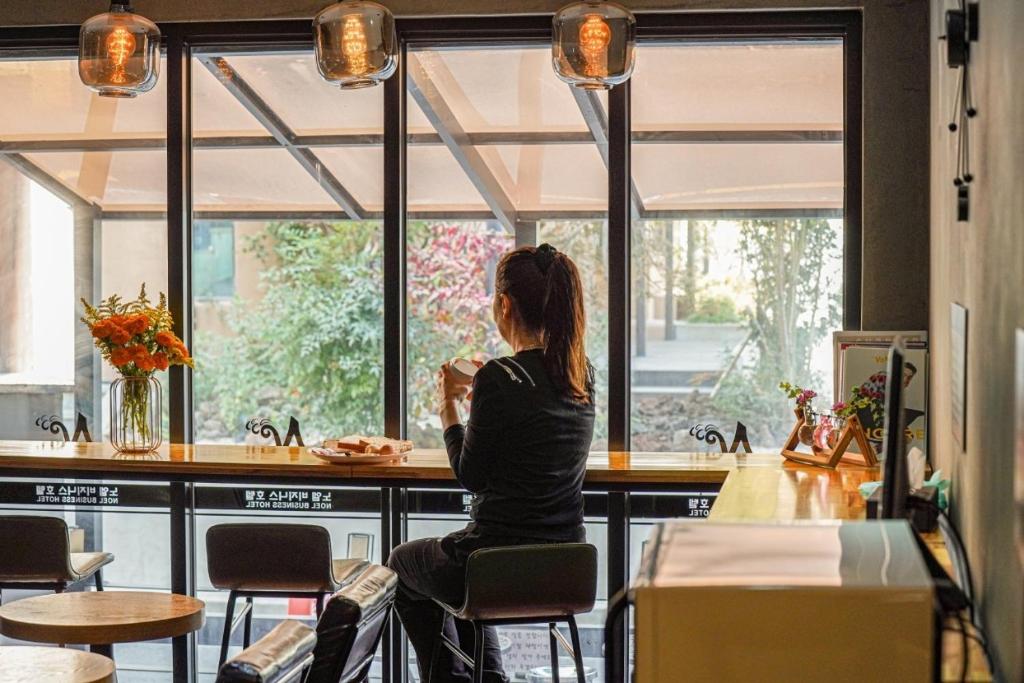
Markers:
958,372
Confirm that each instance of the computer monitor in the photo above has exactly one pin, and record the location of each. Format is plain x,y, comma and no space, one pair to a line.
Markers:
895,486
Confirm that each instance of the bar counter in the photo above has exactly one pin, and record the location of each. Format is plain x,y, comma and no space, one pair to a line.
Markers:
759,487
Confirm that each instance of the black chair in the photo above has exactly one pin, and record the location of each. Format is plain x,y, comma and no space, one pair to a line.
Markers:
37,556
272,560
528,584
281,656
339,651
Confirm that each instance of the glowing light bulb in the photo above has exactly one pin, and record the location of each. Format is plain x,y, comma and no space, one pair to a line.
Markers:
354,45
120,46
595,36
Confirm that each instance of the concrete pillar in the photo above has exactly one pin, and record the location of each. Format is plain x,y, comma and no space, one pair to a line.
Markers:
15,270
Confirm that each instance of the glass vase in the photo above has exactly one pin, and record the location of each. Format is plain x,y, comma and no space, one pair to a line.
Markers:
135,414
807,428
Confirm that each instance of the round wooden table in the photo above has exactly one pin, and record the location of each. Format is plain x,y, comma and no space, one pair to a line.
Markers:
20,664
100,619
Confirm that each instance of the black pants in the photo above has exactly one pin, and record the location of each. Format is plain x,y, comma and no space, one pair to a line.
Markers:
426,571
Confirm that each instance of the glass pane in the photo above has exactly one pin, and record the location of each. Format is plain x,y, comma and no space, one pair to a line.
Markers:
721,85
500,90
288,310
553,177
737,260
718,177
127,180
293,88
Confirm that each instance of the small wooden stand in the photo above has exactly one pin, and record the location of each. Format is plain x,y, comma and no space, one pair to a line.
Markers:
831,457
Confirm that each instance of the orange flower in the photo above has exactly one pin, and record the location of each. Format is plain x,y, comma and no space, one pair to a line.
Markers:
161,361
145,363
102,329
167,339
119,335
137,324
119,357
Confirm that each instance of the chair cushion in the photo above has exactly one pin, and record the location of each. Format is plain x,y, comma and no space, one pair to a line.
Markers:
43,549
85,565
347,571
529,581
270,557
273,657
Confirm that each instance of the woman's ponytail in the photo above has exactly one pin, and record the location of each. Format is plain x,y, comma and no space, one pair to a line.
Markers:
548,294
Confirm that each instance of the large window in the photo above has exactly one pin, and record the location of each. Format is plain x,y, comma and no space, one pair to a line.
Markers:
82,191
286,260
494,163
738,237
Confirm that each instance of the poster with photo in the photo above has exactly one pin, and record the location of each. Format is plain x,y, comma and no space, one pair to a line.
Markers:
879,340
865,368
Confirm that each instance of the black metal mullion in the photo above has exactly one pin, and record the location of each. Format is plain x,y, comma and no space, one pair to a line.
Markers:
179,237
852,166
395,252
619,224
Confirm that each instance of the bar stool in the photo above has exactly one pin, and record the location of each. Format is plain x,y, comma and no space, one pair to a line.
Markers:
527,584
272,560
38,556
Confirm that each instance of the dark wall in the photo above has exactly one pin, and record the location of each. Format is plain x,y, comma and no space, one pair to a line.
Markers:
980,265
895,76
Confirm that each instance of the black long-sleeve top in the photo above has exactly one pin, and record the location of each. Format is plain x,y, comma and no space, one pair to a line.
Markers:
523,452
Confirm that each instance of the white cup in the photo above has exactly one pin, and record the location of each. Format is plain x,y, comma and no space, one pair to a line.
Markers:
463,370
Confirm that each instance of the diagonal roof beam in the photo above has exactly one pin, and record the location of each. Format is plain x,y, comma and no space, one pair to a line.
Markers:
36,173
597,122
284,135
428,97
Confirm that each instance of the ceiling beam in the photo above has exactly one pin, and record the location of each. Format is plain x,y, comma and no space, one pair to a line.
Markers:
597,123
643,137
284,135
424,91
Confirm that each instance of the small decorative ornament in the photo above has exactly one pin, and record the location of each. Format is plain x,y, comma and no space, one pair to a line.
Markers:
136,338
594,44
119,52
355,43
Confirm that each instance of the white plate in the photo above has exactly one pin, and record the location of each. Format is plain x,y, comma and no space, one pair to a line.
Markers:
350,458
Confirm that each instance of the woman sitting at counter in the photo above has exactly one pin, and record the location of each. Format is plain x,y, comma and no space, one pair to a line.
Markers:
522,452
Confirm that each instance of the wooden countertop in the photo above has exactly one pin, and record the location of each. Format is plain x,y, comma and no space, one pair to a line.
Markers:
286,463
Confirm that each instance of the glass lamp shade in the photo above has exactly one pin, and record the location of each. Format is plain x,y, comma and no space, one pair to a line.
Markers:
355,43
119,52
594,44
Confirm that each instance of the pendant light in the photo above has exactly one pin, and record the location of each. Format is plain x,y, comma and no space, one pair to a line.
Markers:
593,44
355,43
119,52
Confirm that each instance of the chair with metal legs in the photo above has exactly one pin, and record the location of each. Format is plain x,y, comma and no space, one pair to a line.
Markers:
272,560
532,584
37,556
